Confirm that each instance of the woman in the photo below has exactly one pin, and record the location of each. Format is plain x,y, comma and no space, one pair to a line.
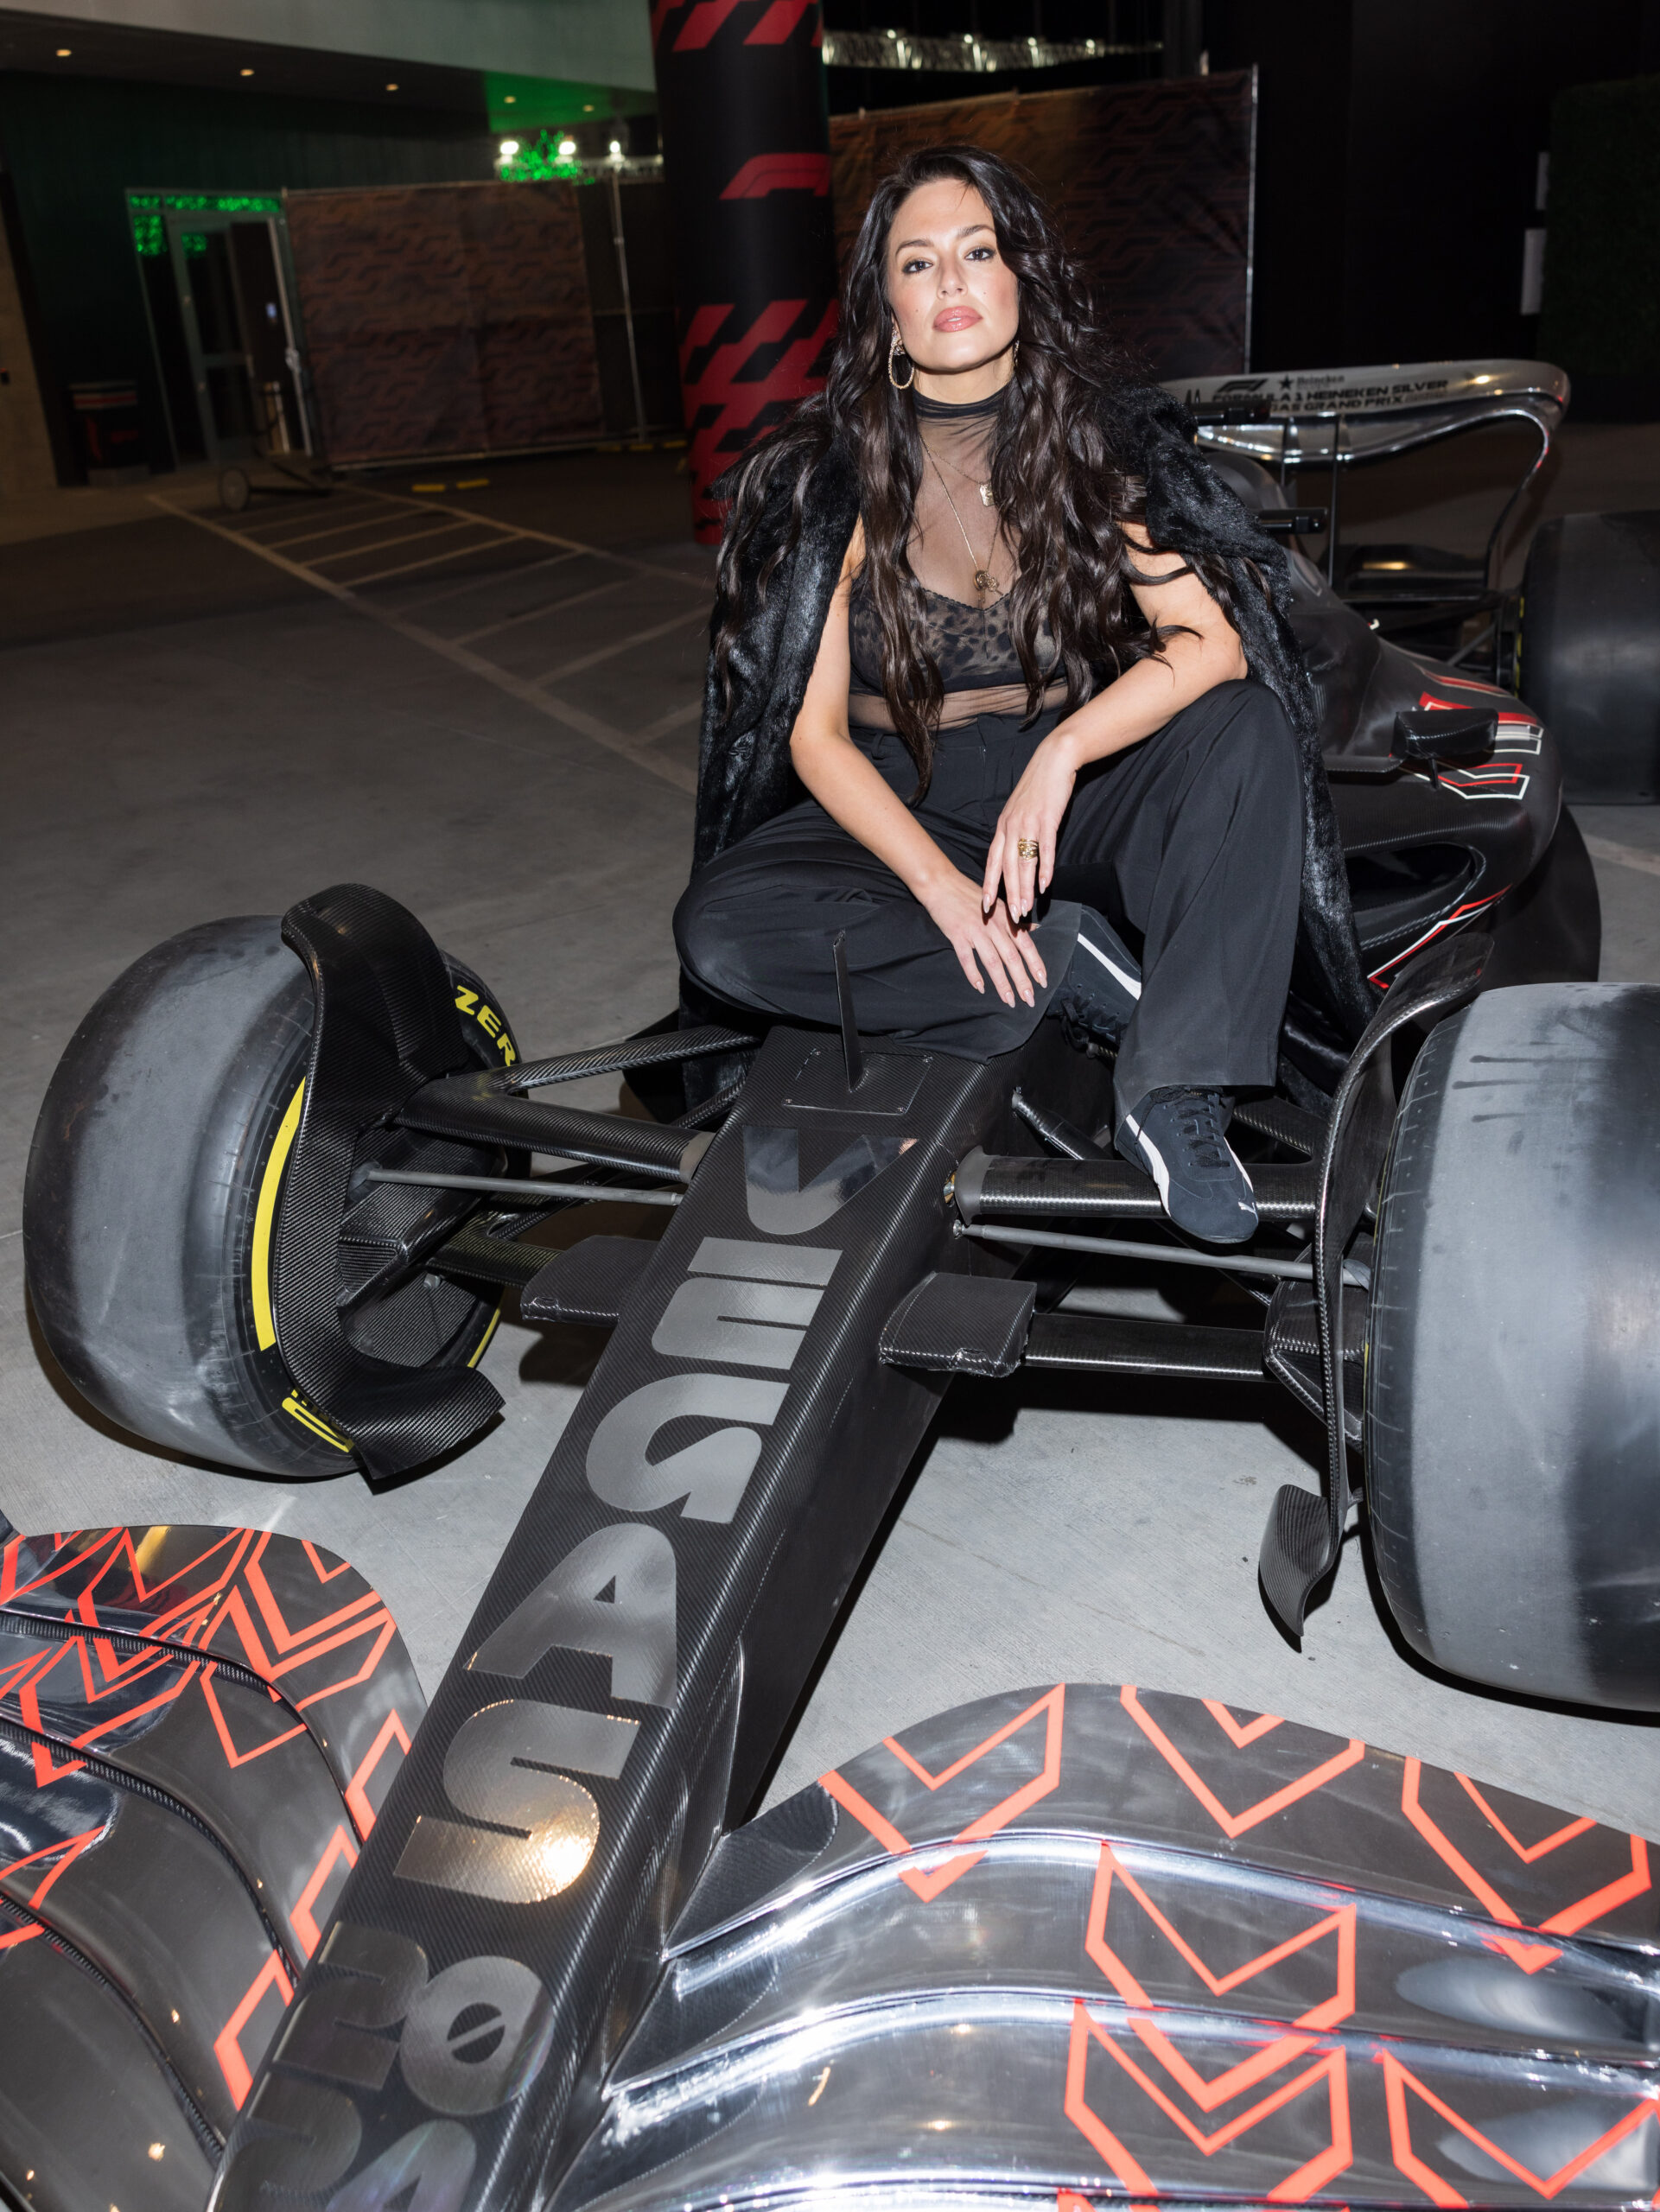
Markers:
990,606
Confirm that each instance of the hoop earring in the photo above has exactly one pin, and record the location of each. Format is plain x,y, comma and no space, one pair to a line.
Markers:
894,351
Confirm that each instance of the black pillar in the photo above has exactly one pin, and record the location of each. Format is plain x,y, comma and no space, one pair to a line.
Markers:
746,154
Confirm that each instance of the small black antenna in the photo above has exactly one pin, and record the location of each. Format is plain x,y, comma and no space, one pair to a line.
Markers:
852,1051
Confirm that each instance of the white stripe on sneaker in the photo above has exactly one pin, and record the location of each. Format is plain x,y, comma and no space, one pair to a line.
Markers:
1130,983
1155,1159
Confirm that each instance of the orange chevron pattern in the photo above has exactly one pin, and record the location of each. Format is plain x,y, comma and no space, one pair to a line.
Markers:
1329,2067
929,1885
1578,1913
1235,1824
1399,2080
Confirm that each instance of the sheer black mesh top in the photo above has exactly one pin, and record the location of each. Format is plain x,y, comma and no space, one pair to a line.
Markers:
964,566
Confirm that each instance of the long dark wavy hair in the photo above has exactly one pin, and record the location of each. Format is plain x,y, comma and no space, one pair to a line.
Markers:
1055,479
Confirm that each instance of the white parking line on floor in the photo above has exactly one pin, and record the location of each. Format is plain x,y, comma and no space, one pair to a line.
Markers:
535,613
622,646
1605,849
674,719
405,568
530,695
386,544
371,521
477,583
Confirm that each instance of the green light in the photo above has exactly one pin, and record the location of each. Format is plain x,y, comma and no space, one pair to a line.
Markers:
538,158
147,210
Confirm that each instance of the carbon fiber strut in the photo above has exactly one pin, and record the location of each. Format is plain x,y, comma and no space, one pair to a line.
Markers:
1305,1533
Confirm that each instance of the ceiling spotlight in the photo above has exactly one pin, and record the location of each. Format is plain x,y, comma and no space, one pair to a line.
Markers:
588,107
510,97
567,149
391,88
64,52
509,148
246,73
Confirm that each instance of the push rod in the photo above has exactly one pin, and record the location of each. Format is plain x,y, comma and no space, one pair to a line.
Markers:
508,1186
1175,1255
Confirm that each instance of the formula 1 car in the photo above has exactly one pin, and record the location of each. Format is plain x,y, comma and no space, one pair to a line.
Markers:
278,1186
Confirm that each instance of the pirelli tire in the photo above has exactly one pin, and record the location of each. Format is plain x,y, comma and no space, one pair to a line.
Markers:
152,1196
1513,1423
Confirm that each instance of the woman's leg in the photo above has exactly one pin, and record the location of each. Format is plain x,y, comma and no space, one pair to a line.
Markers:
758,925
1193,839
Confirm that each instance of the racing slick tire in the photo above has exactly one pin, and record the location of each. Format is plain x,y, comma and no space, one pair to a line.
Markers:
1513,1371
1590,651
151,1198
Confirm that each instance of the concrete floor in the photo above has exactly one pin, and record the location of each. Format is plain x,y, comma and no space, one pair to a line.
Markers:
198,727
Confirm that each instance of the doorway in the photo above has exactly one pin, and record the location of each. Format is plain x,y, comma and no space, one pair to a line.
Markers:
219,291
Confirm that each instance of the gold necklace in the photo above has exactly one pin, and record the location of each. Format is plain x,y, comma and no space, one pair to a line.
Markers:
984,490
984,583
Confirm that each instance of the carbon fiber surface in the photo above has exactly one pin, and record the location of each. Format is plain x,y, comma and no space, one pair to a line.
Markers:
623,1685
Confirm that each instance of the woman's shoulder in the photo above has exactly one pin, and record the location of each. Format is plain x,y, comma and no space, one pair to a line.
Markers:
1144,423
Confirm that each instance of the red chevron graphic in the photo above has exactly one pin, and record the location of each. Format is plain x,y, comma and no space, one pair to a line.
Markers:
1330,2067
1398,2079
765,173
1325,2014
727,403
778,26
21,1936
392,1731
63,1853
928,1885
1233,1825
1579,1914
228,2047
303,1918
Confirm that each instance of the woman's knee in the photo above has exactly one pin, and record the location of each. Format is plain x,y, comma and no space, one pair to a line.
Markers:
697,933
1253,737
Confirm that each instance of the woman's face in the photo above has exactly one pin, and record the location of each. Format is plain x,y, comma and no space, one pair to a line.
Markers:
955,300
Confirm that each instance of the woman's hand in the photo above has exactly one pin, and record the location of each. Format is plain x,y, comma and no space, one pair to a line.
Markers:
1007,954
1031,816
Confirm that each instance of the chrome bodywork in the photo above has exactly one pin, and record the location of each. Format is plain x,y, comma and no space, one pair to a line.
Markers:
1185,1952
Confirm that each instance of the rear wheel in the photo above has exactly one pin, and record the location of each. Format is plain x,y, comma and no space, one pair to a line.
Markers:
1512,1429
152,1199
1590,651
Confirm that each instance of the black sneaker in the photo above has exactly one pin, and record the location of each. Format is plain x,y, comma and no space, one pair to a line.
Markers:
1177,1136
1102,983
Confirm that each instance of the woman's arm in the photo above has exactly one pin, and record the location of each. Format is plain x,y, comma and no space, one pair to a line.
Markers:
1142,700
849,790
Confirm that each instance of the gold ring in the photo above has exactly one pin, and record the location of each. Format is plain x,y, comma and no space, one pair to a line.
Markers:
1026,848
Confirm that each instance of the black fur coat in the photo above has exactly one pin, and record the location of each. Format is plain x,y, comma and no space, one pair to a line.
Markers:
744,772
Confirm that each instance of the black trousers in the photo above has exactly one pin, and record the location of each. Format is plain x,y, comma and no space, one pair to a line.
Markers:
1190,843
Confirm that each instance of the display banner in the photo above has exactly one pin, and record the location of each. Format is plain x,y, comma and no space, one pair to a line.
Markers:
1152,184
445,318
741,99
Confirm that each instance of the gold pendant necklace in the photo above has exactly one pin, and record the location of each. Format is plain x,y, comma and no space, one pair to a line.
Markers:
984,490
984,583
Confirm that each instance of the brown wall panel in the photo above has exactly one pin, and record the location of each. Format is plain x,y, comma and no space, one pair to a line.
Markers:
445,318
1151,183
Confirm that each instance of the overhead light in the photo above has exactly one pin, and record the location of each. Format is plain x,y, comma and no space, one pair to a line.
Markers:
509,98
509,148
64,52
567,149
588,107
391,88
246,73
616,150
